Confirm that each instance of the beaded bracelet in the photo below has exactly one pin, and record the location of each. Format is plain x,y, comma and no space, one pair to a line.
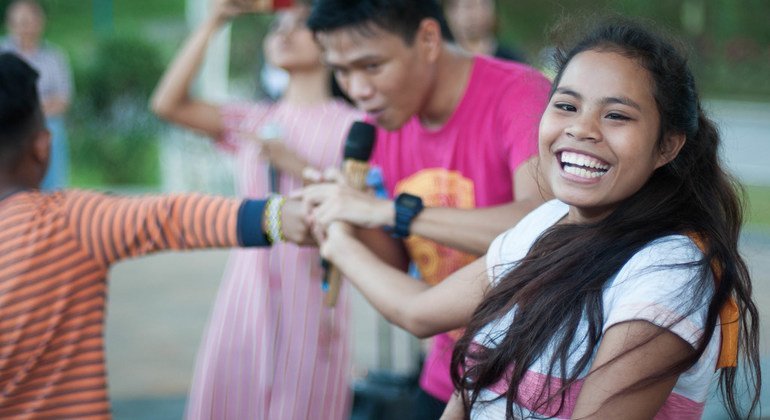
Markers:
273,215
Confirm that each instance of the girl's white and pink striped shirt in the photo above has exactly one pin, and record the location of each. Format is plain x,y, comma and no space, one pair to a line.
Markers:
655,285
272,350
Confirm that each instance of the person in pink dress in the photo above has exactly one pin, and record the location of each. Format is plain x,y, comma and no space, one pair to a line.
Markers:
272,349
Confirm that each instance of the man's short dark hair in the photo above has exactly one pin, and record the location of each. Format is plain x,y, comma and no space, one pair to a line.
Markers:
21,118
401,17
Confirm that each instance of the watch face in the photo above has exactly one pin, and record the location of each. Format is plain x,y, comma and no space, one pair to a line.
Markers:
410,201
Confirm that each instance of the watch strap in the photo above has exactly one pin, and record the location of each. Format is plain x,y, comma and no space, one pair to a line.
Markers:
405,214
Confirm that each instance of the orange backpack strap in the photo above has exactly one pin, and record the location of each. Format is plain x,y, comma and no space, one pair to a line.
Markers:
728,350
728,317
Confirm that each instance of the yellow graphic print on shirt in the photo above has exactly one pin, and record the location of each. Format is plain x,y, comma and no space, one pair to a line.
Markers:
438,187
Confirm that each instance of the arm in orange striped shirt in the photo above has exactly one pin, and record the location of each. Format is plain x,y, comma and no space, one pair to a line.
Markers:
112,228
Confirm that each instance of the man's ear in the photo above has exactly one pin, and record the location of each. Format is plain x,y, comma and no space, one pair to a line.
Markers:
672,144
428,39
41,147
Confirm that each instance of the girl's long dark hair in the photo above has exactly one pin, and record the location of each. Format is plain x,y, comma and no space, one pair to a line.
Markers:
561,279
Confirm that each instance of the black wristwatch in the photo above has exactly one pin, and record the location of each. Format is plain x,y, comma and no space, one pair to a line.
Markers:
408,206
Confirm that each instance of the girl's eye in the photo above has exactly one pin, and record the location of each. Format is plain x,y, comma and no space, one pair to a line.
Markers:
616,116
372,67
565,107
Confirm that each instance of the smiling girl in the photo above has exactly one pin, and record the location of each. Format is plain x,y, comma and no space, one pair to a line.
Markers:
614,300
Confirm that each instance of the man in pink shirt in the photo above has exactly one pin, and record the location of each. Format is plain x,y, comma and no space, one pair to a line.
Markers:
455,132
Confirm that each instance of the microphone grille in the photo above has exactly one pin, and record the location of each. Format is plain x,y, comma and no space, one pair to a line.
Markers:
360,141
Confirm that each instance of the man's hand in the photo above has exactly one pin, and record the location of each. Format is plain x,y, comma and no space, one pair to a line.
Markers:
327,203
294,223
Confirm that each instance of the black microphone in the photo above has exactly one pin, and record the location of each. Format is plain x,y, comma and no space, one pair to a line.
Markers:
355,167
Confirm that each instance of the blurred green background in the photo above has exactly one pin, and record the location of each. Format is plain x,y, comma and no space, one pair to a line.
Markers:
119,48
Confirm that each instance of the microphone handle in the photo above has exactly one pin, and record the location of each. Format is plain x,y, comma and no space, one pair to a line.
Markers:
273,177
355,173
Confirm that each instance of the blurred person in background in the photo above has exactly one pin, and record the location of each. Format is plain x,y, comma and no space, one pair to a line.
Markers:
272,350
273,81
473,24
25,20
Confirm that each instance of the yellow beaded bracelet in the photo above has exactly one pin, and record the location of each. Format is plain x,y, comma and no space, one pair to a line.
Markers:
273,215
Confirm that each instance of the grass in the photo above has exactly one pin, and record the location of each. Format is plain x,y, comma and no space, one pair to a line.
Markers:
758,208
82,19
79,27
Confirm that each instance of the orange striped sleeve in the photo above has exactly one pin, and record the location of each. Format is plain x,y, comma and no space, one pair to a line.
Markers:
111,228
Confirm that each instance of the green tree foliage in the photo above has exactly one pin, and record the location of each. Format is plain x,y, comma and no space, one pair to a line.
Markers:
124,69
114,134
729,39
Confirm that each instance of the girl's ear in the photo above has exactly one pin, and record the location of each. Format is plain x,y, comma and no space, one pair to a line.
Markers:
672,144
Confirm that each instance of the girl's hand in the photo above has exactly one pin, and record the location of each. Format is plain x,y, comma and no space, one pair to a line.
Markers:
228,9
282,157
311,175
454,409
333,240
286,160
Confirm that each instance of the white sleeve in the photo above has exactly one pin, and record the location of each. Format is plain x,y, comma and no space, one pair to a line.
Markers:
494,256
659,284
514,244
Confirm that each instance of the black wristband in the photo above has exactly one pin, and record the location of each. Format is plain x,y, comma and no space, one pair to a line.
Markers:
407,207
250,230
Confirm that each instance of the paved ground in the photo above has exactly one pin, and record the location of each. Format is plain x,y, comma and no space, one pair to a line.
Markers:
745,128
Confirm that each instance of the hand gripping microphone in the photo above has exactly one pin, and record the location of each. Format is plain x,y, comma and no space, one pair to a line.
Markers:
355,167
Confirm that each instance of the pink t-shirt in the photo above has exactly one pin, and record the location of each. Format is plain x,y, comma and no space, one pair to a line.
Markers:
469,162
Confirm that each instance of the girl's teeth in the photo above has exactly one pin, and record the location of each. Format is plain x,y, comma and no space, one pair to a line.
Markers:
578,159
583,173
